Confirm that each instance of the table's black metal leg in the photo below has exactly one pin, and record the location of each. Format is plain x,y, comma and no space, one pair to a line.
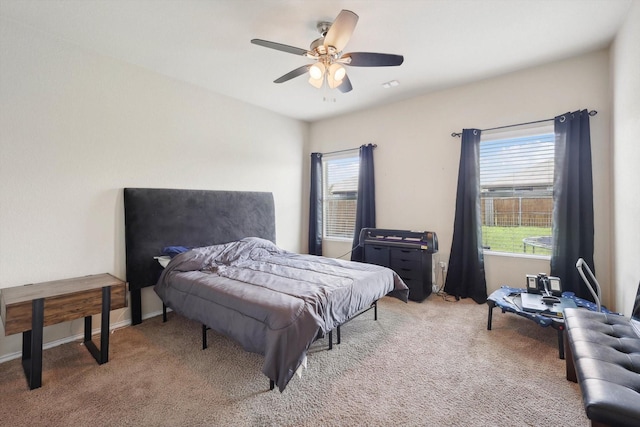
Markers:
560,343
375,310
272,384
104,327
87,330
101,355
338,334
32,345
491,304
330,340
204,337
26,345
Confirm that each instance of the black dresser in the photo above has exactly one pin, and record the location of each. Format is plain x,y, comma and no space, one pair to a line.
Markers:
408,253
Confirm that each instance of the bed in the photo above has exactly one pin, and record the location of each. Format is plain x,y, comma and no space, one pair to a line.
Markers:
236,281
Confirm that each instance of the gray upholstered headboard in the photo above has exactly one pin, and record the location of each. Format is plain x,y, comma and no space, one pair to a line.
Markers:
157,218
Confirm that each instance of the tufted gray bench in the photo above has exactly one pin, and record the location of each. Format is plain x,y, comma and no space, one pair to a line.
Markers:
603,356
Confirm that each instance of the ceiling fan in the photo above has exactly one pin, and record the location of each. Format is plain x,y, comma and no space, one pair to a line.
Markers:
328,56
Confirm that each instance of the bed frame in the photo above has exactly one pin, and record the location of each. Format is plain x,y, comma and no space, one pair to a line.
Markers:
157,218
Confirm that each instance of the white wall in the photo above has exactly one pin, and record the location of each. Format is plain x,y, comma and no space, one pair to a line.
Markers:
76,127
417,159
625,66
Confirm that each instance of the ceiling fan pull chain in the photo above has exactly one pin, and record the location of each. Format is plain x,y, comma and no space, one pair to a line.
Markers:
326,96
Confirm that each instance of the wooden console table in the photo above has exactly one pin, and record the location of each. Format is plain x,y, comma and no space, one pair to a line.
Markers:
29,308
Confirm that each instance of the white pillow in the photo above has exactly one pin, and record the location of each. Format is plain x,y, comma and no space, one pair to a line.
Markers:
163,260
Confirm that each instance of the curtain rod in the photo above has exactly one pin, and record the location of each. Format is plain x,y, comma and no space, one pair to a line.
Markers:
348,149
454,134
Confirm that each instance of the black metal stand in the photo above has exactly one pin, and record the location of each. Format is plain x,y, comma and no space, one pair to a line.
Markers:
32,340
204,336
102,354
560,329
32,345
491,305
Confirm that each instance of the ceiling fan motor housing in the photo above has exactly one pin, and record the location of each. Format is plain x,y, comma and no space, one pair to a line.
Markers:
323,27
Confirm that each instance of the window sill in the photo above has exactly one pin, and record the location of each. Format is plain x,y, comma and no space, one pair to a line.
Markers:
511,255
337,239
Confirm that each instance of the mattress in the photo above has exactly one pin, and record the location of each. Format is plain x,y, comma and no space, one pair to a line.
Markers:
271,301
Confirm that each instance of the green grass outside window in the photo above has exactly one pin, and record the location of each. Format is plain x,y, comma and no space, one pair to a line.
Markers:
510,239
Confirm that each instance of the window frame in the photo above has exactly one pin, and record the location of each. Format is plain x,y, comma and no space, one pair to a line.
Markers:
353,159
543,130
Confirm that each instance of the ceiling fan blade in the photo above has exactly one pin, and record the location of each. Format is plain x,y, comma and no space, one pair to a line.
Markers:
280,47
292,74
341,30
346,85
369,59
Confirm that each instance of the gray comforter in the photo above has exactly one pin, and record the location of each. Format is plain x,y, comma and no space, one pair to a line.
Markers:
271,301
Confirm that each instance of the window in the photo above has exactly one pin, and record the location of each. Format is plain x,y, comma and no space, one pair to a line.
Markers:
516,190
340,195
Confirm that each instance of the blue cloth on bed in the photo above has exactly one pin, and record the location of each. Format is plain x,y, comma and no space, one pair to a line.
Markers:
174,250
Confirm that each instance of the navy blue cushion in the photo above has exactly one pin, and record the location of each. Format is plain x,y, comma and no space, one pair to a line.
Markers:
174,250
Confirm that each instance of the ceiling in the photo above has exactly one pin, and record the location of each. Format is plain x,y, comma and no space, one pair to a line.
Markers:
445,43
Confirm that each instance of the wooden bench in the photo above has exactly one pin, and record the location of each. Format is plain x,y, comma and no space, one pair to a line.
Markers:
29,308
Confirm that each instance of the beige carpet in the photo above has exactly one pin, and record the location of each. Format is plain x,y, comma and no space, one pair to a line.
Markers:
421,364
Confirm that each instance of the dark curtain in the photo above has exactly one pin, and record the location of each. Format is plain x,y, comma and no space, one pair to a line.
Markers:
315,205
572,230
466,262
366,205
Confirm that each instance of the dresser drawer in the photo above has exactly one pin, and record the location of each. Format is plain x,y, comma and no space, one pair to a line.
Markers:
379,255
407,268
406,254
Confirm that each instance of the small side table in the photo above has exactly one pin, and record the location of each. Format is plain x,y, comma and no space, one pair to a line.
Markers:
507,299
29,308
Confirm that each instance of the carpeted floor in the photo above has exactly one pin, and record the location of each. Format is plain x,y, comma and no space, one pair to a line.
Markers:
421,364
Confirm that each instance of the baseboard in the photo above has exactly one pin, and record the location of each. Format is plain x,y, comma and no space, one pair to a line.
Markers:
78,337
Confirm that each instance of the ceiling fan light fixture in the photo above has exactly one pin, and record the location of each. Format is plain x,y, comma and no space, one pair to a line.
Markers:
332,82
316,71
316,82
337,72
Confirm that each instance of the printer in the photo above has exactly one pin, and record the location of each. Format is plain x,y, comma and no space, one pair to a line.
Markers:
426,240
